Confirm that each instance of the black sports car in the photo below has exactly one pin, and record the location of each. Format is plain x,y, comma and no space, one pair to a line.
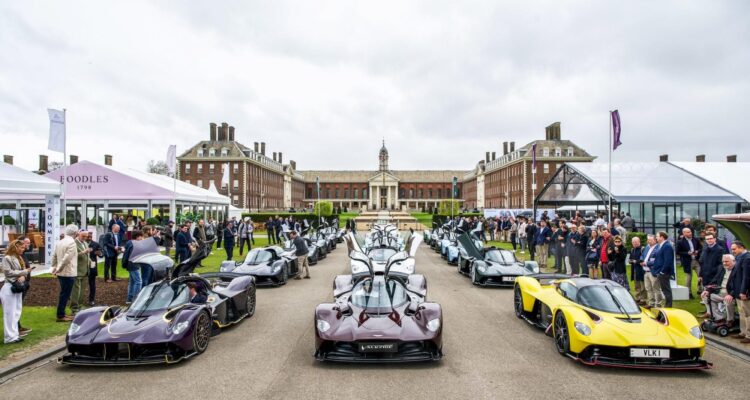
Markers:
271,266
491,266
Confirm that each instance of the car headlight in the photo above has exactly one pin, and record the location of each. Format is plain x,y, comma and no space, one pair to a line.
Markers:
582,328
696,332
180,327
73,329
322,325
434,325
482,269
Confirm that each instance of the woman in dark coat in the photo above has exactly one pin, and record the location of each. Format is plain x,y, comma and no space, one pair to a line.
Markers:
592,254
616,254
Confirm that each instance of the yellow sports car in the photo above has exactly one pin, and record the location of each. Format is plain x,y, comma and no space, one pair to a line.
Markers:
597,322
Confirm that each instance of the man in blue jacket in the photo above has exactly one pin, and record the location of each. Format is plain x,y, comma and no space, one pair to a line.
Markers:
542,240
663,266
743,266
182,243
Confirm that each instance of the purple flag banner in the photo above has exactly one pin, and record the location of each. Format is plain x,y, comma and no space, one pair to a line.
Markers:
616,129
533,157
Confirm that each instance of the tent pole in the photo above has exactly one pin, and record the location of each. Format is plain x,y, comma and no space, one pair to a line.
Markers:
609,188
65,169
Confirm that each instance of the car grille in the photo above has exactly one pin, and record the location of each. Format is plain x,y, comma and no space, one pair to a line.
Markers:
621,355
407,351
126,351
498,281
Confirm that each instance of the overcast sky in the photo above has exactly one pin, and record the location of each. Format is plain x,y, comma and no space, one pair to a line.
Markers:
441,81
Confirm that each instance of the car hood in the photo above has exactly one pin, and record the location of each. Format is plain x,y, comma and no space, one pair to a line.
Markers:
500,269
260,269
151,327
378,328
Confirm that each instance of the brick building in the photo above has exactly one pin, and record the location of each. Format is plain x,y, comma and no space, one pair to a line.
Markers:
507,181
256,181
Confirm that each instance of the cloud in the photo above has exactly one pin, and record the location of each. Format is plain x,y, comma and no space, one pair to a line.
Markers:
324,83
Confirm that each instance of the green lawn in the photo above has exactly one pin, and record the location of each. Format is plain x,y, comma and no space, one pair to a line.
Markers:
343,217
42,322
693,306
423,218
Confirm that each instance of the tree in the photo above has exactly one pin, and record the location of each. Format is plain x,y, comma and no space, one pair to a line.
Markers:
445,206
54,165
326,208
157,167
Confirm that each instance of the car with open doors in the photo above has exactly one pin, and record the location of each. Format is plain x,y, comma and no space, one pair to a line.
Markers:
162,325
490,266
379,317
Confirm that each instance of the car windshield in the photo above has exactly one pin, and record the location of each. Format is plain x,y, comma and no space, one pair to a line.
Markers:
258,256
160,297
381,254
599,298
378,294
500,256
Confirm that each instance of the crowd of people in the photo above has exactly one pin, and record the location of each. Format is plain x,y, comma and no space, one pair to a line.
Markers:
599,249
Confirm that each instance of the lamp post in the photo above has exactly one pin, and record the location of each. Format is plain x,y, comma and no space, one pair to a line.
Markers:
317,186
453,194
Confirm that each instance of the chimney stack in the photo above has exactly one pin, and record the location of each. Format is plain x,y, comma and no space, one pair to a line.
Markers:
293,164
664,158
487,156
255,147
108,160
222,137
281,161
263,148
8,159
231,134
732,158
274,156
700,158
512,146
212,130
493,156
73,159
43,163
505,148
552,132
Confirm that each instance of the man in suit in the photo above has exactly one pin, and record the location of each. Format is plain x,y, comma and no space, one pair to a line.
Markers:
689,248
663,266
542,240
64,267
531,230
742,265
653,290
710,259
82,271
728,282
135,283
229,240
196,297
111,244
94,254
636,271
182,241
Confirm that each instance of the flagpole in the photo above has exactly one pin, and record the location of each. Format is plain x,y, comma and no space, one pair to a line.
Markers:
65,169
609,188
174,186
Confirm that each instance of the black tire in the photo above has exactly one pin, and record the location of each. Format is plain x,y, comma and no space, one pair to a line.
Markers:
250,302
518,302
562,336
460,271
723,331
473,275
201,333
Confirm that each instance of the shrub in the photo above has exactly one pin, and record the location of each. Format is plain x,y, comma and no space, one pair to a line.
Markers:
448,207
153,221
631,235
324,208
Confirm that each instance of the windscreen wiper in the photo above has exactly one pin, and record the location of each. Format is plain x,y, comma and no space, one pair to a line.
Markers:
618,304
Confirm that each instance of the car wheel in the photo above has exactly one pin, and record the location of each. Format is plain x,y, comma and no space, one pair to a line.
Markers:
250,302
723,331
518,302
459,263
285,274
562,336
474,275
201,333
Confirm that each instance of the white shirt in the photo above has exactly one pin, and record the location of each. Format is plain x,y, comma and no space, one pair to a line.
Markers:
648,255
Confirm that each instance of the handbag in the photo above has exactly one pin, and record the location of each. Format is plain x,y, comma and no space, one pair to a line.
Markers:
19,287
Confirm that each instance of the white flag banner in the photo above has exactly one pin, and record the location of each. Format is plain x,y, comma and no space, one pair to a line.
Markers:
225,176
171,158
56,130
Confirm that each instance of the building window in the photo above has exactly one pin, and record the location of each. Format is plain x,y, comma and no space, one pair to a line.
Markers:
421,193
411,193
309,193
236,199
200,168
440,193
212,152
211,183
545,152
211,168
328,193
200,152
546,168
429,192
236,185
558,152
224,151
346,193
570,152
355,194
187,168
402,193
199,183
364,193
336,193
236,167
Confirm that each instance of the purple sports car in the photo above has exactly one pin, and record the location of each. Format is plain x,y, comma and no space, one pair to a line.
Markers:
162,325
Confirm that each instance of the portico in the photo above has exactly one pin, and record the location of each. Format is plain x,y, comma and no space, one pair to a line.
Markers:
383,191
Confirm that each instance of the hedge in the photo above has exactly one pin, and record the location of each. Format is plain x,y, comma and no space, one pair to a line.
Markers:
259,219
8,220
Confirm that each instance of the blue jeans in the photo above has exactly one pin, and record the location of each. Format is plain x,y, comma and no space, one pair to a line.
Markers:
66,287
134,283
147,272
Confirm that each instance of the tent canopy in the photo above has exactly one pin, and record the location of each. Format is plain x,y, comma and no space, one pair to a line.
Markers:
90,181
587,183
727,175
16,181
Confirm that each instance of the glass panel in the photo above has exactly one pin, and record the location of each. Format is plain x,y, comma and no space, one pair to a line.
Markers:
648,209
690,210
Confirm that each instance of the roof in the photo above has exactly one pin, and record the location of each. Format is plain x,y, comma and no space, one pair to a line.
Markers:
18,181
722,174
587,183
364,176
91,181
524,152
